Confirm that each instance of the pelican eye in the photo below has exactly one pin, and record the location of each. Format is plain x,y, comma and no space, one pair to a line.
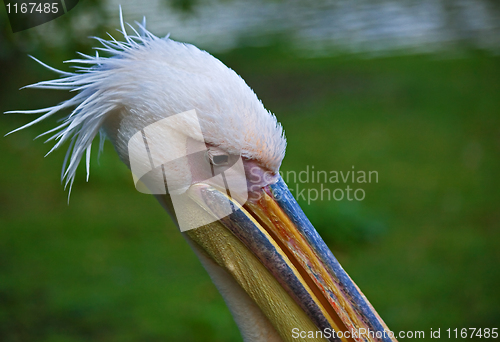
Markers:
219,160
217,157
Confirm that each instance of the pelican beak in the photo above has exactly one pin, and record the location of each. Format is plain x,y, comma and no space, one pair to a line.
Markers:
276,231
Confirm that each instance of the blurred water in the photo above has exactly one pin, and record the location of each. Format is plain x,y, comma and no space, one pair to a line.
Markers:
311,27
325,27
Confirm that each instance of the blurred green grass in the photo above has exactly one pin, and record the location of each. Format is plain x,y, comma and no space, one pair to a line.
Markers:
423,245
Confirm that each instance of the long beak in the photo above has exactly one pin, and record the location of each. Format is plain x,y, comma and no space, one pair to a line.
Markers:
277,232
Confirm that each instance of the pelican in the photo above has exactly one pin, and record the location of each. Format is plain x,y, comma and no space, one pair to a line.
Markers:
208,144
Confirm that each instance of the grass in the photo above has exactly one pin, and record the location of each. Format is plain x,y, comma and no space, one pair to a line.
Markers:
422,245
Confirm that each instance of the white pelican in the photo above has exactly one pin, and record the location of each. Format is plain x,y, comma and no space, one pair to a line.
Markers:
277,276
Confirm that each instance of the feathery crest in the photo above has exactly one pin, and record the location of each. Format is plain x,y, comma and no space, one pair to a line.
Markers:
85,120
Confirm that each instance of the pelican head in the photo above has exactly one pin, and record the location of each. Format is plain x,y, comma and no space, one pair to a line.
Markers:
197,137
